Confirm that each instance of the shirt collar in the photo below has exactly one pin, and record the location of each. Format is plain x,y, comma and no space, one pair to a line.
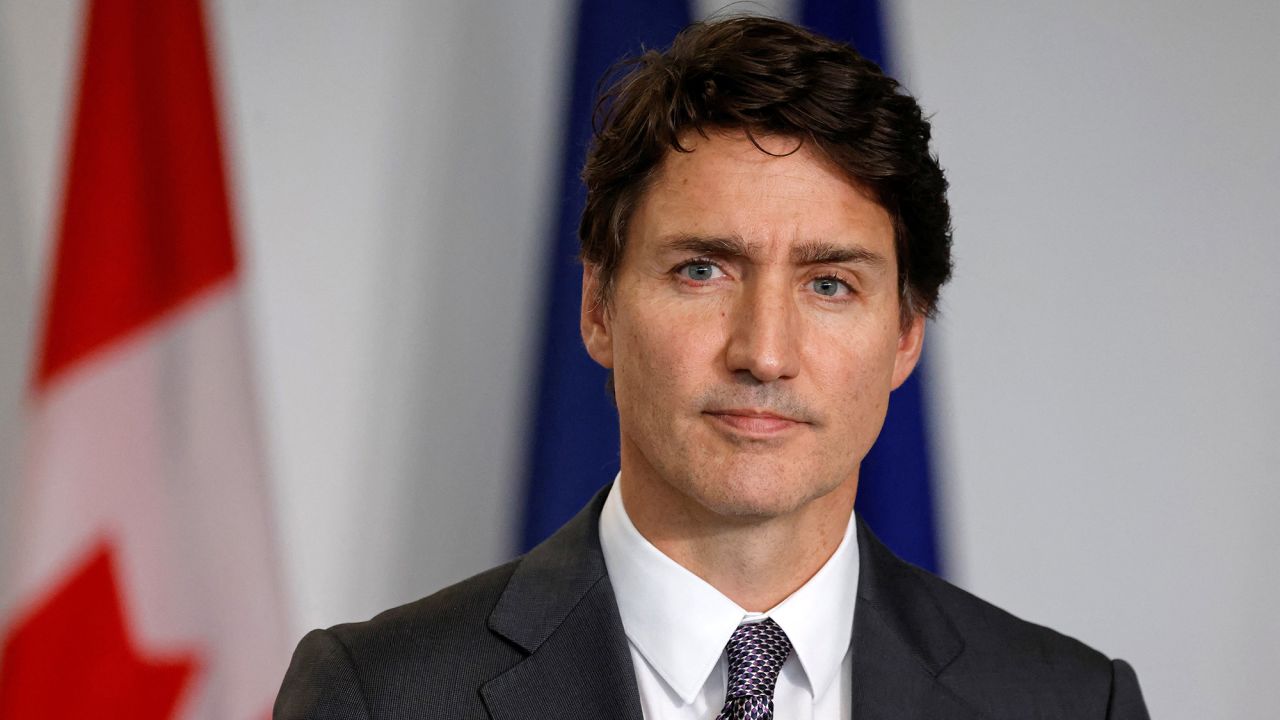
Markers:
680,623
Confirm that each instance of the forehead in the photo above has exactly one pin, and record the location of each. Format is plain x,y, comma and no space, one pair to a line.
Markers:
773,196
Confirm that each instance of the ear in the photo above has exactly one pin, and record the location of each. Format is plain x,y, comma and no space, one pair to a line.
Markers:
596,331
910,342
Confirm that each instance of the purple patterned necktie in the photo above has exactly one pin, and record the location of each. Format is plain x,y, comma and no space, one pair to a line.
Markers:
756,653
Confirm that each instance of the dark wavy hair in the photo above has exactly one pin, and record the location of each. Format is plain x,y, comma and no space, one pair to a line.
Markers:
769,77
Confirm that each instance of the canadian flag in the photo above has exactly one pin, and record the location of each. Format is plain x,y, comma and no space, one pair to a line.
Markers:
145,570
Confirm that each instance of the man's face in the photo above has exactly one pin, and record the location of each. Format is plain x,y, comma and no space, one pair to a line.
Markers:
753,328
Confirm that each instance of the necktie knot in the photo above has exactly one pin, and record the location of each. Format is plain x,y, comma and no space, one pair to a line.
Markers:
756,654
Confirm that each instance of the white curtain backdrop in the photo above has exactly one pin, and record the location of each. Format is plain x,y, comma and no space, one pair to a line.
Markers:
1105,380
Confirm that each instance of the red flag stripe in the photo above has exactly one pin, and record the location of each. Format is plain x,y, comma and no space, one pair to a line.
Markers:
145,222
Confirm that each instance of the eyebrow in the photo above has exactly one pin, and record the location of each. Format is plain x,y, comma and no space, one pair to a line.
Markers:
723,246
825,253
806,253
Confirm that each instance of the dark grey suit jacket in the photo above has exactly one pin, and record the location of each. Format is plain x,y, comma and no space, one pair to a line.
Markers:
540,637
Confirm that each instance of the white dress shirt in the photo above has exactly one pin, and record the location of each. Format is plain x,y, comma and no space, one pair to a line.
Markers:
677,626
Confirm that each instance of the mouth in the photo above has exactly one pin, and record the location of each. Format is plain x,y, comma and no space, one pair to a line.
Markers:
752,422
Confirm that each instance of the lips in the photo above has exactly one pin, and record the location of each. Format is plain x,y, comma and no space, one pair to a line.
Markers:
754,422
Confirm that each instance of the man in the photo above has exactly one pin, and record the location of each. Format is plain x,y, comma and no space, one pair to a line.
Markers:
765,233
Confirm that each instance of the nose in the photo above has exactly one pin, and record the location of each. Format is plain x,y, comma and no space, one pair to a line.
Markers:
765,333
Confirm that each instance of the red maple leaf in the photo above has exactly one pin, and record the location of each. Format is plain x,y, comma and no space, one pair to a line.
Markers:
72,657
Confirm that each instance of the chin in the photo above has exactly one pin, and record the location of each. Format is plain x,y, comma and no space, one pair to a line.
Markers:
754,488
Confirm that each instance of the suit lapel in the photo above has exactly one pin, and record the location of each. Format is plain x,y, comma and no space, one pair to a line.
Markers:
559,607
902,642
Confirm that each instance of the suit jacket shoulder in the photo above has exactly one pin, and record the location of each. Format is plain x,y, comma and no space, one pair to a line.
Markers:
431,653
918,635
539,637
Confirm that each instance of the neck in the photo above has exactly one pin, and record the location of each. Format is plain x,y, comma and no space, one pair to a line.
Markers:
755,561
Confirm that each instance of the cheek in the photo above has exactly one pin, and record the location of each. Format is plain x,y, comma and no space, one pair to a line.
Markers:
664,353
854,368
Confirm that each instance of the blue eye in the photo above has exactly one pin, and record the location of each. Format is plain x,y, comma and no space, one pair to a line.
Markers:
829,286
700,271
